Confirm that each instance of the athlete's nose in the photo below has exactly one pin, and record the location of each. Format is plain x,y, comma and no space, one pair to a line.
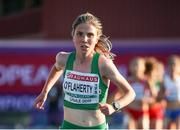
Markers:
85,38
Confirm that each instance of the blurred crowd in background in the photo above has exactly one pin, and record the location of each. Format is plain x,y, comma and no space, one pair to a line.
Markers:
157,88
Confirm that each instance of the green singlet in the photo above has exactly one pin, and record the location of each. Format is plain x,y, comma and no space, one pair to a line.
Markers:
83,90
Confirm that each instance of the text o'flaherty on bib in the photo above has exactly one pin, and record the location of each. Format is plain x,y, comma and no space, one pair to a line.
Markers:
81,88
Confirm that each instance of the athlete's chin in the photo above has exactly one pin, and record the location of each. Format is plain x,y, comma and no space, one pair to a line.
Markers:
84,51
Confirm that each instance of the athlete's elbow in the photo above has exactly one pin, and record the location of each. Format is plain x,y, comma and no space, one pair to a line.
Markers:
133,95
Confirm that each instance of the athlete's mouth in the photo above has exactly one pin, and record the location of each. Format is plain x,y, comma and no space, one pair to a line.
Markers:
84,46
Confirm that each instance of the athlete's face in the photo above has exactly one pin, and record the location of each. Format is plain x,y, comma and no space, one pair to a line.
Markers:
85,38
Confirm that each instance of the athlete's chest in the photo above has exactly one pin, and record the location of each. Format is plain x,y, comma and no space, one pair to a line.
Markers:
82,67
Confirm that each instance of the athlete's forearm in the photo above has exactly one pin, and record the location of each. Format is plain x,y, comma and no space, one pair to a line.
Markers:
51,80
128,94
127,98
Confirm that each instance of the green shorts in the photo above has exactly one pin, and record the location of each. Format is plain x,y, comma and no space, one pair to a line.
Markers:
68,125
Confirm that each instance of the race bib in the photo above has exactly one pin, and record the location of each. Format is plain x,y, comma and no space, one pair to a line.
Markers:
81,88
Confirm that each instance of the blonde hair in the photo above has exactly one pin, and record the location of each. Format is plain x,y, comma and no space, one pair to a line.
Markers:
103,45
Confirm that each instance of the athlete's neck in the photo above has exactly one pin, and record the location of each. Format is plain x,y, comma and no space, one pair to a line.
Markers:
84,58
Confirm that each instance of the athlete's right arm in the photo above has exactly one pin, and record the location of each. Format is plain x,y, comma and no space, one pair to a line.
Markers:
56,71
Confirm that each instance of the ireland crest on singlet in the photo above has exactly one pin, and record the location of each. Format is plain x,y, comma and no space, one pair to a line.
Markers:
81,88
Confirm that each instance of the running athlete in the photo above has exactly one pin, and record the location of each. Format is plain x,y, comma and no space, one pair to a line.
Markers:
87,74
138,110
172,87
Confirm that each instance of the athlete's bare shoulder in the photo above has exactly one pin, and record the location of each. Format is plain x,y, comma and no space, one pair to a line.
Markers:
104,60
61,59
104,63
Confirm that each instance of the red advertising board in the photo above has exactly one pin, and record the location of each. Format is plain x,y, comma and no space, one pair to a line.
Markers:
23,73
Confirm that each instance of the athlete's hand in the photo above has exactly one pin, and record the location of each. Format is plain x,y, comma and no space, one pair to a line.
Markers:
106,109
39,101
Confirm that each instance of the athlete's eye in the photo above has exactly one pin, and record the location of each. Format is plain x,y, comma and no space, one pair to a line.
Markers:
90,35
79,34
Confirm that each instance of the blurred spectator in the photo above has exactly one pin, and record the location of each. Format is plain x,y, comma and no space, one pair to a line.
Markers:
172,85
154,77
138,110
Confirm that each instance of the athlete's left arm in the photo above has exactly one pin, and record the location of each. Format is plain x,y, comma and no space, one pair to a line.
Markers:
110,71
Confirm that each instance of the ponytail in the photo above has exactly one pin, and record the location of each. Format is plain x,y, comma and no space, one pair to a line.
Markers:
104,47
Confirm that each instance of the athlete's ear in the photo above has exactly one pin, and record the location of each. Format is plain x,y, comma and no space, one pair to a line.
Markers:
73,38
97,39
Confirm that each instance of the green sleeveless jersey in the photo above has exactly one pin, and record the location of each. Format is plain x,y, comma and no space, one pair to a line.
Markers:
83,90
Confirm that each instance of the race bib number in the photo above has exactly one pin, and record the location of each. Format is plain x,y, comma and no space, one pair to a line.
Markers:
81,88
